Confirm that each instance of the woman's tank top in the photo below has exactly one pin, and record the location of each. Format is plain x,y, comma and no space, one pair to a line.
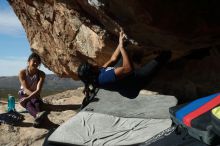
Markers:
31,81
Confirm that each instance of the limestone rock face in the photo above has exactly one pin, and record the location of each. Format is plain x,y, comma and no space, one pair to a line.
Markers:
67,32
62,34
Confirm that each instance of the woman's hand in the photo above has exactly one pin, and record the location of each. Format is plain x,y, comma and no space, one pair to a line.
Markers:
122,38
23,101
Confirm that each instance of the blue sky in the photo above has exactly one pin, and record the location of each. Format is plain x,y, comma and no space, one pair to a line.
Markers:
14,46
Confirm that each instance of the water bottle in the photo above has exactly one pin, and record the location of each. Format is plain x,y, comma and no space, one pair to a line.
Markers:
11,103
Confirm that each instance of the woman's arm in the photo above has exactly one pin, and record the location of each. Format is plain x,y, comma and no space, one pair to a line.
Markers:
39,85
22,79
38,89
127,66
113,58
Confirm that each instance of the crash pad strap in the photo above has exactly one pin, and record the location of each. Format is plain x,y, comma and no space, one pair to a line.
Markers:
181,113
201,110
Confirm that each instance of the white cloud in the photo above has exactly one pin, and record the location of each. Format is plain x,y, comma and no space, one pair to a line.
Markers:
10,25
11,66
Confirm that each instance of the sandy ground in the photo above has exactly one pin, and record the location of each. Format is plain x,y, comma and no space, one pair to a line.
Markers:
61,107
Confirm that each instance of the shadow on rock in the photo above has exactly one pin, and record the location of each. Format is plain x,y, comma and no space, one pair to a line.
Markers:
17,119
51,107
47,124
24,124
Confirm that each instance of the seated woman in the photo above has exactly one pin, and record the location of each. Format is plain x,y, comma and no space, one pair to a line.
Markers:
31,80
125,79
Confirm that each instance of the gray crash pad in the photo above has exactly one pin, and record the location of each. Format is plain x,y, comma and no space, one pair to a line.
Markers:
112,119
143,106
96,129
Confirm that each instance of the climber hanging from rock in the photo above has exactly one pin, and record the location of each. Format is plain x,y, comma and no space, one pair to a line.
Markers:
115,76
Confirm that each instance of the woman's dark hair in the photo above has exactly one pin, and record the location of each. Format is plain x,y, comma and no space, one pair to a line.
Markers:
86,73
34,56
88,76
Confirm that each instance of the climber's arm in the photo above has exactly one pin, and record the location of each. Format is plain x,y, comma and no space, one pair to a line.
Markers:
115,56
127,66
